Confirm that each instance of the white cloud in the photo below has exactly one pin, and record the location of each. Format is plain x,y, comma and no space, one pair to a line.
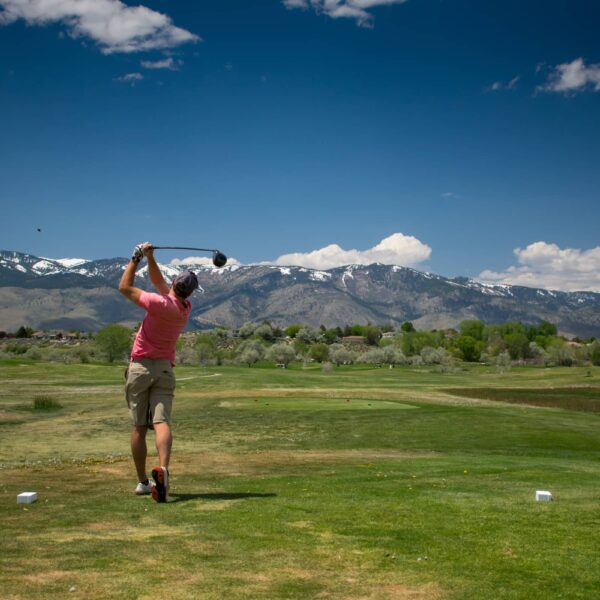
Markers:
131,78
573,77
349,9
167,63
449,195
200,260
397,249
548,266
498,86
113,25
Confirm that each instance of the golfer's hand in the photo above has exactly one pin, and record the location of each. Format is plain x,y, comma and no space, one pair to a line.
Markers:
148,249
138,253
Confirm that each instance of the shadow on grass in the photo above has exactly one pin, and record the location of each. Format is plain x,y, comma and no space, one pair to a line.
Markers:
174,497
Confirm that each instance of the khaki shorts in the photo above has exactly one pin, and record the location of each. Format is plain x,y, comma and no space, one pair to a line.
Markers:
149,390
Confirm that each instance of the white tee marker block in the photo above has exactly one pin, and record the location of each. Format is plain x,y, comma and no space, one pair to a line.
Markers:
543,496
27,498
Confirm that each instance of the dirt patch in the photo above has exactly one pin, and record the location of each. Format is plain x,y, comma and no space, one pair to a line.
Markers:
577,398
4,416
398,591
112,531
240,464
403,592
45,576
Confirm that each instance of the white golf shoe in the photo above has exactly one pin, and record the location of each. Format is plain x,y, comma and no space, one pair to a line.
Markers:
142,489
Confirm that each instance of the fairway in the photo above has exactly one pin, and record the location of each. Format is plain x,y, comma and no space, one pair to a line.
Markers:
310,404
360,483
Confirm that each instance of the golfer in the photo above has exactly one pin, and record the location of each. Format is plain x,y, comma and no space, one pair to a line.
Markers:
150,382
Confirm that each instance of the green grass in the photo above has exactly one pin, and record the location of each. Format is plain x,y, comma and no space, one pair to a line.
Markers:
586,399
296,483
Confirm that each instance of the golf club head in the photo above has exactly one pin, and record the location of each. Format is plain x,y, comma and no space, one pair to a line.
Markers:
219,259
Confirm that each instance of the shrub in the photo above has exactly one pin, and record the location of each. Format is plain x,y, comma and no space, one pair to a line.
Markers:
17,348
114,341
560,353
595,354
374,356
503,361
538,354
433,356
265,331
248,356
340,355
187,356
33,353
281,354
394,356
45,403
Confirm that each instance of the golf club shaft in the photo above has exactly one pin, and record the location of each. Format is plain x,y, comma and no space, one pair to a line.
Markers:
184,248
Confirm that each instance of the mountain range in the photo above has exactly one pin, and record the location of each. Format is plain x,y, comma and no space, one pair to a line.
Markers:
75,294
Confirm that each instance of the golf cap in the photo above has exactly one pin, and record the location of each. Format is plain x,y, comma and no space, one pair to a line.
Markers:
185,283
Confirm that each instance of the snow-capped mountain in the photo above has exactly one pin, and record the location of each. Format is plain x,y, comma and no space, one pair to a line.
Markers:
78,294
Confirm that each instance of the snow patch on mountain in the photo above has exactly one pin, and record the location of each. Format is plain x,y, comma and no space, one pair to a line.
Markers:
320,276
71,262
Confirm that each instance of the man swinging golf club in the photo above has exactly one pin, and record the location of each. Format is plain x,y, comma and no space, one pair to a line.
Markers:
150,382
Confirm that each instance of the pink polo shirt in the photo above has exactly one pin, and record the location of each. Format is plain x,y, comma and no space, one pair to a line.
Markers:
165,319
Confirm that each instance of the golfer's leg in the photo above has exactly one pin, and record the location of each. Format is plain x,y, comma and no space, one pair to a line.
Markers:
164,441
139,450
161,403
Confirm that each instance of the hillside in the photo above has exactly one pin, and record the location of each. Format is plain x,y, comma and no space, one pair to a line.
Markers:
82,295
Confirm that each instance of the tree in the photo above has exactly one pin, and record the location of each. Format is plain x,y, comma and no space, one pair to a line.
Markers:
292,330
114,341
306,334
300,346
472,327
357,330
469,348
265,331
517,345
24,332
319,352
414,342
247,329
254,345
330,336
281,353
249,356
407,327
547,329
372,334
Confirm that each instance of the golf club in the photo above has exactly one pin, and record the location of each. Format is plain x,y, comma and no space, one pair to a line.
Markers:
218,258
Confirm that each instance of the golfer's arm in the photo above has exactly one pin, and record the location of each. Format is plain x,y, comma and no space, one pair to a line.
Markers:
126,286
156,276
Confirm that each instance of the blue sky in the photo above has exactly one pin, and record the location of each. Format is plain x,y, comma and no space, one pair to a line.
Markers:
457,137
